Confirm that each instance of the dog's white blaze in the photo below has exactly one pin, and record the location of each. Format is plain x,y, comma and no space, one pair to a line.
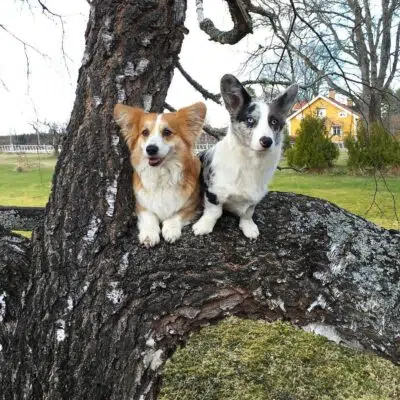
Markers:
242,176
262,128
157,139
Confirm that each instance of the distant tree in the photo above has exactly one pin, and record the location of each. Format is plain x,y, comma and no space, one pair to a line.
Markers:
50,133
391,112
374,149
358,42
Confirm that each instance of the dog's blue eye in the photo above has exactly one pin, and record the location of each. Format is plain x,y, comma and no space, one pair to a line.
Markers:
250,122
167,132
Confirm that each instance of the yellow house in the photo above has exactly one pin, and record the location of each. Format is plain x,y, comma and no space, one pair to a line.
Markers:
341,119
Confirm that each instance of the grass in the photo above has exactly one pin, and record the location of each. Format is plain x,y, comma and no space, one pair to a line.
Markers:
354,193
31,187
251,360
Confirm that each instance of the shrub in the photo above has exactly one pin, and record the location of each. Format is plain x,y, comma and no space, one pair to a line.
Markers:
313,148
287,142
373,148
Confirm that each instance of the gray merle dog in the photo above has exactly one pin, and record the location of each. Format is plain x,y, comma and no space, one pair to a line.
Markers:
236,171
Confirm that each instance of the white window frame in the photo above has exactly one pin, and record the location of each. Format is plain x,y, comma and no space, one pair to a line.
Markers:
342,114
334,128
321,112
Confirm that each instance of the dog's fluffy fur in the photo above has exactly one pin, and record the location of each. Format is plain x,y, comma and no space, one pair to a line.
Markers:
236,171
166,171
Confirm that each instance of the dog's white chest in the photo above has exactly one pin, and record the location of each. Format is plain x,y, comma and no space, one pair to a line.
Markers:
241,180
161,192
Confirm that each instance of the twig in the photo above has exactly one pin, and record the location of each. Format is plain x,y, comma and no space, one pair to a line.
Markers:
218,133
293,168
216,98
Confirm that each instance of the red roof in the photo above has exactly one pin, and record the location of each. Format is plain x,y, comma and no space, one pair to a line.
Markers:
299,105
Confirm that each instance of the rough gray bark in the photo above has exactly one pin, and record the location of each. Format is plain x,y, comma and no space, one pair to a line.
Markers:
103,327
21,218
94,315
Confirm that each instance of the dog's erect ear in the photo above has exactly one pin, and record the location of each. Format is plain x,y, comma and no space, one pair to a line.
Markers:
234,94
128,119
286,99
194,116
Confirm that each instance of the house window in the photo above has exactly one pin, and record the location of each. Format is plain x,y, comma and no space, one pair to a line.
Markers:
321,112
342,114
337,130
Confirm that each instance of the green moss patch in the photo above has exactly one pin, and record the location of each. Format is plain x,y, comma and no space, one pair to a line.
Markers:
252,360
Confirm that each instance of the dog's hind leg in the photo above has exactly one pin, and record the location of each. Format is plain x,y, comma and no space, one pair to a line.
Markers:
247,225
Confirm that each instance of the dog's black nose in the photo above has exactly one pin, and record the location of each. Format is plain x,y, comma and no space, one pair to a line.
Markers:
152,149
266,142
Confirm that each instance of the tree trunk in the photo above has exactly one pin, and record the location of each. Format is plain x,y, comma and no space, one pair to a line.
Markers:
94,315
371,106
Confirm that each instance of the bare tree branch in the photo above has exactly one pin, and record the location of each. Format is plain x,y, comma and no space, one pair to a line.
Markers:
4,85
25,44
216,98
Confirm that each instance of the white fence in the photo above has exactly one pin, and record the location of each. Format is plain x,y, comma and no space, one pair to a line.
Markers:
17,148
202,146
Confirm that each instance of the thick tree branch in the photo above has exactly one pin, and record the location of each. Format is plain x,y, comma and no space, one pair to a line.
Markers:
242,23
218,133
21,218
14,270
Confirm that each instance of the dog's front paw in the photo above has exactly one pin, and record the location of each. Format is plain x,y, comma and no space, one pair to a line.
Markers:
171,232
149,238
249,228
203,226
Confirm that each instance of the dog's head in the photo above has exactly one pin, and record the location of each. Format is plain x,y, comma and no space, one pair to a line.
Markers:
256,124
153,138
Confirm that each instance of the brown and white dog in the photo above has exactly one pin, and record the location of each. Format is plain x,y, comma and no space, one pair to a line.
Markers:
166,170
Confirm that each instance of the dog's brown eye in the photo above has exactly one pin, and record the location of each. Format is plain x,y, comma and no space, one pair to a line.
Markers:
145,132
166,132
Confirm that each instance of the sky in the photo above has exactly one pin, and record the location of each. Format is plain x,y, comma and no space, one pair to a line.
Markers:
48,91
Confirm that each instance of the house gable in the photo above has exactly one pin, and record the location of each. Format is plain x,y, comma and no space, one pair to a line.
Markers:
340,119
321,97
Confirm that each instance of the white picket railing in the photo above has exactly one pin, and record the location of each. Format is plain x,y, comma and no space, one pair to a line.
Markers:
19,148
202,146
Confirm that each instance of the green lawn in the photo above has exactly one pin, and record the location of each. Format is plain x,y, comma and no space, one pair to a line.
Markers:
354,193
30,187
